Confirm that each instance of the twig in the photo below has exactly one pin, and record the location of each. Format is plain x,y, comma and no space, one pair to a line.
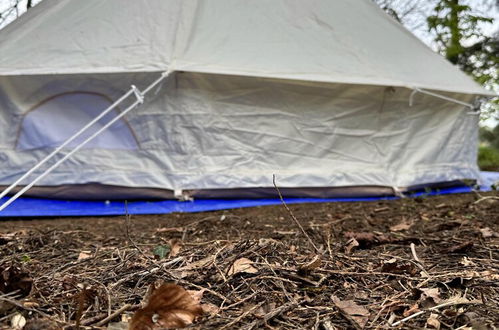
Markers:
113,315
243,315
414,255
445,304
293,216
481,199
18,304
129,238
271,315
418,262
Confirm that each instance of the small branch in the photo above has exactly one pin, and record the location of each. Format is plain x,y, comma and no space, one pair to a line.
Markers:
414,255
243,315
485,198
113,315
293,216
416,259
445,304
276,312
129,238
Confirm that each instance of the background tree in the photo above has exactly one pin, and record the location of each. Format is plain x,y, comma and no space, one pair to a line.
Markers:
12,9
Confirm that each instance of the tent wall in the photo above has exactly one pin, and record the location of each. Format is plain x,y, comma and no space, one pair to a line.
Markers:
203,131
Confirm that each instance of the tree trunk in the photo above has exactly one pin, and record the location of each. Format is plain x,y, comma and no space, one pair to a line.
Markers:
454,46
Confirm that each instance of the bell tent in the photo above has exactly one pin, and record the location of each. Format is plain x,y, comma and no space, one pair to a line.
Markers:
333,97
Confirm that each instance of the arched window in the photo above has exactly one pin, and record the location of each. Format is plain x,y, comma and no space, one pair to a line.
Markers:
54,120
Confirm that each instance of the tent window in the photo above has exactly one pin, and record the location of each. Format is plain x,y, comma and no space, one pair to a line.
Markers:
54,120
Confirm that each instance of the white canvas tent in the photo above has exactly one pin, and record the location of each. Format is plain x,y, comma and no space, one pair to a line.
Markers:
316,92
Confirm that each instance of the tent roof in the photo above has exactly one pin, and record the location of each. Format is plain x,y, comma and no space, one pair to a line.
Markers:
341,41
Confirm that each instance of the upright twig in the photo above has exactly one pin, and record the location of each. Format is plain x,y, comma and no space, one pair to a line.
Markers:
293,216
129,238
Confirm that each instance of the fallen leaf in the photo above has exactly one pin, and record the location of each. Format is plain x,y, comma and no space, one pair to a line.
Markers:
30,304
351,244
161,251
13,278
355,313
310,266
466,262
17,321
460,248
175,246
169,306
243,265
210,309
401,226
394,266
433,321
487,233
196,295
429,297
84,255
366,239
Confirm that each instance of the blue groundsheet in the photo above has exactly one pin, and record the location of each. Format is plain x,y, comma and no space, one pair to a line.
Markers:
34,207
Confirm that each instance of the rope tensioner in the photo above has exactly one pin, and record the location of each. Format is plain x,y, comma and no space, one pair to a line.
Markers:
139,95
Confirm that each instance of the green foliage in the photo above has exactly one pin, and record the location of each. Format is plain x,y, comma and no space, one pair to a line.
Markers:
161,251
488,158
460,39
490,137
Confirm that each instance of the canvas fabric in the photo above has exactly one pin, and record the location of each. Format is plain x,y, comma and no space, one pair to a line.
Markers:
204,131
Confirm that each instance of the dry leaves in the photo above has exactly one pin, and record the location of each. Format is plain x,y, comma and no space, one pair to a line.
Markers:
395,266
84,255
401,226
433,322
367,239
357,315
460,248
242,265
311,265
429,297
488,233
169,306
351,245
13,278
175,246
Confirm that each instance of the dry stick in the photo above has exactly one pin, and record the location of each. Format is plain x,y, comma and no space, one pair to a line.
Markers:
284,308
243,315
419,263
445,304
113,315
293,216
129,238
20,305
481,199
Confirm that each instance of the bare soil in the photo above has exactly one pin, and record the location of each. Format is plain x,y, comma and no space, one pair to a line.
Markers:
374,264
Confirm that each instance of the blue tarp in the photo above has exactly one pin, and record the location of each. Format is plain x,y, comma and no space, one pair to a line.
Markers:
34,207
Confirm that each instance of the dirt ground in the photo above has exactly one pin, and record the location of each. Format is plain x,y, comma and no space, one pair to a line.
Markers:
354,265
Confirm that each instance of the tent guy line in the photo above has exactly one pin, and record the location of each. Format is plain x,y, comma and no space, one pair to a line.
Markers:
139,95
416,90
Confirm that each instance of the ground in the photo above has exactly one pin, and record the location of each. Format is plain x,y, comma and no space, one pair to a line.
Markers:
354,265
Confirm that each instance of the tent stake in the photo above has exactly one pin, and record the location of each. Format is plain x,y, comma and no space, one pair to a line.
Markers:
139,100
